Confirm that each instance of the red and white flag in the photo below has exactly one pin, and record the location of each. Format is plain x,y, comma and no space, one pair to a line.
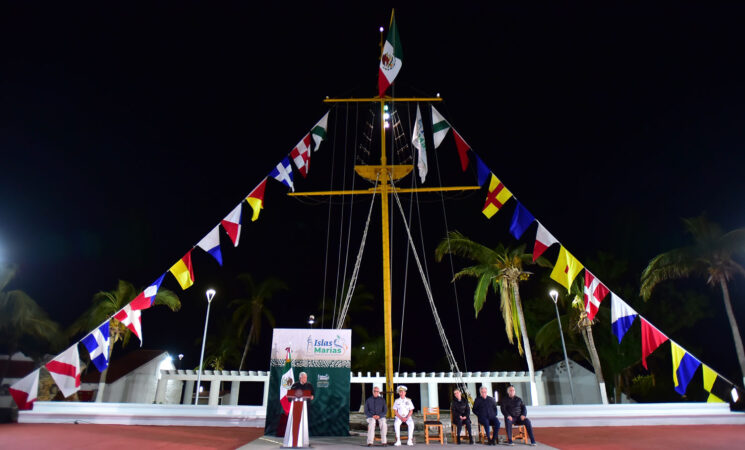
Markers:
131,318
24,390
65,370
232,224
595,292
543,240
301,155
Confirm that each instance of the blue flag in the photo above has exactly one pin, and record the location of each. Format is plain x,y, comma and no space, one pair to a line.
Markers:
97,343
482,170
521,220
684,366
283,173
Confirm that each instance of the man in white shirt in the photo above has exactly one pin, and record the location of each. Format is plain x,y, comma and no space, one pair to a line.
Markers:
403,408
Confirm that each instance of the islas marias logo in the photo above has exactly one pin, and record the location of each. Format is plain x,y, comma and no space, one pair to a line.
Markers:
338,345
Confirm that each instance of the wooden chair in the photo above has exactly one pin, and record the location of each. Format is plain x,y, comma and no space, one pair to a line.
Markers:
482,434
454,432
432,420
518,432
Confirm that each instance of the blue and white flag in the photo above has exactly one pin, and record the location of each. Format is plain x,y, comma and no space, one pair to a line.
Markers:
283,173
97,343
622,316
211,244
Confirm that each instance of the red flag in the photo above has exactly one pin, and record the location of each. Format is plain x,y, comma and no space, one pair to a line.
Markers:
651,339
543,240
463,148
24,390
595,292
131,318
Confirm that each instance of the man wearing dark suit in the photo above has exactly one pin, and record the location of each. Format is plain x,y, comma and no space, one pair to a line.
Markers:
514,411
460,414
485,408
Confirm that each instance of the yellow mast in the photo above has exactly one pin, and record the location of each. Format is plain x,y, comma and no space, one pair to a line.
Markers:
383,173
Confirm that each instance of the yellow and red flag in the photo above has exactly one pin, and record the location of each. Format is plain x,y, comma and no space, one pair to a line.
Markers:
256,199
183,271
566,269
498,195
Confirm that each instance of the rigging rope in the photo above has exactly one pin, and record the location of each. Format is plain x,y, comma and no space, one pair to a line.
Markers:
440,329
328,223
341,216
356,270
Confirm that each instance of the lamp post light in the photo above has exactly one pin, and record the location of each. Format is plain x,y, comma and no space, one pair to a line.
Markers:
555,297
311,320
180,357
210,295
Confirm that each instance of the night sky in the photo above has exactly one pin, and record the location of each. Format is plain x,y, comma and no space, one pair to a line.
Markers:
127,132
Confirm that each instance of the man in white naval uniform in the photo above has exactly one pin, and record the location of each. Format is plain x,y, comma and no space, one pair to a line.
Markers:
403,408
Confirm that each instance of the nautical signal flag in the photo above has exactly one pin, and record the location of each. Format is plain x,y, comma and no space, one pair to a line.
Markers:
283,173
566,269
622,316
521,220
718,388
496,197
463,148
651,339
132,319
418,141
684,366
319,131
482,171
25,390
232,224
183,271
595,292
147,297
65,370
97,344
440,127
301,155
256,199
211,244
390,59
543,240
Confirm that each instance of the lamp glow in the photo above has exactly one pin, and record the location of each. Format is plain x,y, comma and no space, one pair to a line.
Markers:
554,295
210,294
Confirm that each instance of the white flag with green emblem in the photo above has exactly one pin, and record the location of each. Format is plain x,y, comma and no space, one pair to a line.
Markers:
319,131
417,140
440,127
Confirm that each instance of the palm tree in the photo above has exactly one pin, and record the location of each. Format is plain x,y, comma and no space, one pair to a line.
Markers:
710,257
108,303
500,268
24,325
252,308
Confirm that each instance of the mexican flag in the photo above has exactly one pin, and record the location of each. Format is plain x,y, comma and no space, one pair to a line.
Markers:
286,382
390,60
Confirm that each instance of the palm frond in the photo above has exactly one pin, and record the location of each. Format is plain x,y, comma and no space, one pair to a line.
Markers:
458,244
479,295
675,264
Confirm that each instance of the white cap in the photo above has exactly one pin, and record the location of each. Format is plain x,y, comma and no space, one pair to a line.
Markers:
403,388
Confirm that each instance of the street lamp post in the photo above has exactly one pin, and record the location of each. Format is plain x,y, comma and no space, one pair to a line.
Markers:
311,320
210,295
555,297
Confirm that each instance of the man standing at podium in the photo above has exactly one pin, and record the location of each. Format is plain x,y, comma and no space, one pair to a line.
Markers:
303,384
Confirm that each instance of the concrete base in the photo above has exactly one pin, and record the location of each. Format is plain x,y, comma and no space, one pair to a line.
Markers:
143,414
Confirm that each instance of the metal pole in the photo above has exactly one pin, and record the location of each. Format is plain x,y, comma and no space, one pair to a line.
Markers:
201,357
566,358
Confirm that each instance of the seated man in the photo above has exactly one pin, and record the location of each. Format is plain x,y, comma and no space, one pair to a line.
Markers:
375,411
514,411
485,408
403,409
460,414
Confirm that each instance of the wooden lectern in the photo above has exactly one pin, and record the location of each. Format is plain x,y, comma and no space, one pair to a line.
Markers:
296,433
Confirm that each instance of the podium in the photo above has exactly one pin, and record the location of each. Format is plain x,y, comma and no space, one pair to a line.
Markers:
296,433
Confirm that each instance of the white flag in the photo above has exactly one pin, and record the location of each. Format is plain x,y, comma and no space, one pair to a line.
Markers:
417,140
440,127
65,370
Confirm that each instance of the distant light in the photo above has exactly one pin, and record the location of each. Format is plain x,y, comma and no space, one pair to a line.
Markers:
180,356
210,295
386,116
381,29
363,347
735,397
311,319
201,388
387,125
438,95
385,107
554,295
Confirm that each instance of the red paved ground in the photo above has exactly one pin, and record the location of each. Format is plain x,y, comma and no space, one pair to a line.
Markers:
134,437
649,437
131,437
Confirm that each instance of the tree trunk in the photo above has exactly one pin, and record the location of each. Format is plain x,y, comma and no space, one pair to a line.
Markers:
590,341
245,349
735,329
362,403
526,344
102,379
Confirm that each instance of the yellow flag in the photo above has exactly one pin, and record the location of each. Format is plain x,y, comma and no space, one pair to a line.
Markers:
566,269
496,198
183,271
709,378
256,199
